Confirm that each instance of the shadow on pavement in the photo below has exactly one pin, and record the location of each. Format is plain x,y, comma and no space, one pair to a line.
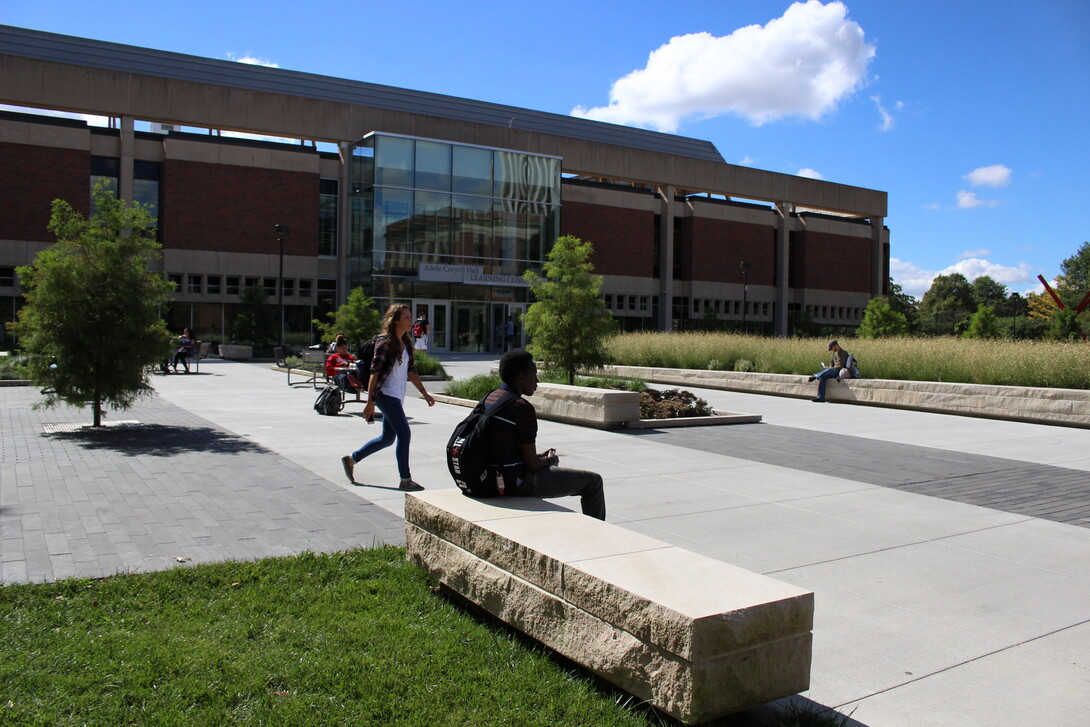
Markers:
159,440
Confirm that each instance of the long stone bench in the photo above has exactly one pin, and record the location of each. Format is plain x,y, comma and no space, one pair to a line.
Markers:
1069,407
695,637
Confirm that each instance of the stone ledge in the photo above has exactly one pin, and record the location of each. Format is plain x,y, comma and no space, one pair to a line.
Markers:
697,637
1067,407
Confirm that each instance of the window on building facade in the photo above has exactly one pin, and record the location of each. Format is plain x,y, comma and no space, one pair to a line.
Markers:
7,277
145,185
643,302
232,286
105,168
269,286
251,283
304,289
608,298
289,287
195,283
212,284
327,217
175,278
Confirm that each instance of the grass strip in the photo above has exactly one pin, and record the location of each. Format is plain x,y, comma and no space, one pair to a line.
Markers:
1053,364
349,638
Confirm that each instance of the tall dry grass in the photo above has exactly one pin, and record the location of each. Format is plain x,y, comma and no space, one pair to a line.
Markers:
1009,363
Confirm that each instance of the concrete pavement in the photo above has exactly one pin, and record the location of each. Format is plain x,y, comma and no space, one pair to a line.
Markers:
950,557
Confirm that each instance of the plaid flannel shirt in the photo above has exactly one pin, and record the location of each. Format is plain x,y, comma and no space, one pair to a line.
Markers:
383,363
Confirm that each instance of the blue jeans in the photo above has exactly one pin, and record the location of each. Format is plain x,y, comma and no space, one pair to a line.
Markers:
395,425
823,380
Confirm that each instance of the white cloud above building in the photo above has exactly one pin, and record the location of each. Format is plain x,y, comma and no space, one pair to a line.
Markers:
799,65
996,175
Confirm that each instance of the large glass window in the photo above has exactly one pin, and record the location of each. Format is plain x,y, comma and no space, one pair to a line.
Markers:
433,165
145,185
431,226
393,228
472,171
393,161
472,228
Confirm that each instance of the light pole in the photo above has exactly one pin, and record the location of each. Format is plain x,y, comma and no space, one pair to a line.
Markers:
745,294
281,233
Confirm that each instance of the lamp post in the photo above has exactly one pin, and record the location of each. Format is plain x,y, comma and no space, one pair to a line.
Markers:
281,233
745,294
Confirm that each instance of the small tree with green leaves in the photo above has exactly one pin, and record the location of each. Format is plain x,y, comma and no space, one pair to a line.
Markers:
256,320
568,323
881,320
91,326
358,319
984,324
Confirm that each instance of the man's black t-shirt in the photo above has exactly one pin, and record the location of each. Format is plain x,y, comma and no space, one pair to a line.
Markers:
514,425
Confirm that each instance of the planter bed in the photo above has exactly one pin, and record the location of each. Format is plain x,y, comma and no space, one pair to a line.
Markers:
604,409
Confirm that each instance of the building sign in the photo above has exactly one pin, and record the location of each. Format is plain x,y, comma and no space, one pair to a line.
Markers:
467,274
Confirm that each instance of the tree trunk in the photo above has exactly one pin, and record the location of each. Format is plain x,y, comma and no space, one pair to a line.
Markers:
97,404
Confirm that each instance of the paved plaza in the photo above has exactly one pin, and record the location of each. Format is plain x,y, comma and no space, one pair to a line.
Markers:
949,556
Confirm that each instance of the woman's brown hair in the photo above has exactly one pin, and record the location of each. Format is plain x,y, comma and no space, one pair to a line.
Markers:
389,329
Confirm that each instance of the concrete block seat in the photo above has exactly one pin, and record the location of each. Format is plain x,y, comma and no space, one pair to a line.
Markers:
694,636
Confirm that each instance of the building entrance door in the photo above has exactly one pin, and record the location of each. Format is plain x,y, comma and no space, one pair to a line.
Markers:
437,312
500,314
469,327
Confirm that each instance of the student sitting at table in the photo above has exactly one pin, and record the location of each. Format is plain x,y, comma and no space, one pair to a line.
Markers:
339,367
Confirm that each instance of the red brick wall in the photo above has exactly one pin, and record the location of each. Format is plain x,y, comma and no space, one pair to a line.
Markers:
31,177
623,239
720,245
234,209
830,262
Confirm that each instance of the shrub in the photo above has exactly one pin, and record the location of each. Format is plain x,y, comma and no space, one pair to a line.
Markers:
672,404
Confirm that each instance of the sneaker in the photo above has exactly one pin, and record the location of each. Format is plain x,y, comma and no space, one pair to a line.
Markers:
410,486
349,466
818,399
811,378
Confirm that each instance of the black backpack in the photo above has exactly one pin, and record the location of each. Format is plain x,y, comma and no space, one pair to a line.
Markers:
328,402
467,455
365,355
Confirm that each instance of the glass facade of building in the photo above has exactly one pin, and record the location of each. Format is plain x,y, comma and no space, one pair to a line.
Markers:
425,212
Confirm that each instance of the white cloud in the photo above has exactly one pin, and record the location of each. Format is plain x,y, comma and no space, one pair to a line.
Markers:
747,161
915,280
887,117
802,64
969,200
252,60
809,173
933,206
996,175
982,252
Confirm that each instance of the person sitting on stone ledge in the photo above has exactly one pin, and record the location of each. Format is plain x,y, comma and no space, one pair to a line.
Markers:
842,366
512,434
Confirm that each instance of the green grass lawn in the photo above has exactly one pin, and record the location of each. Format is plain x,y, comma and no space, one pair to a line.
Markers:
355,638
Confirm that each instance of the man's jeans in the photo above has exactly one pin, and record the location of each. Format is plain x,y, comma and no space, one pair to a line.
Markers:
562,482
823,380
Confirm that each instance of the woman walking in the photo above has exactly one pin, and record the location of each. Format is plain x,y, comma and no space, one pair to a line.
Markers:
392,368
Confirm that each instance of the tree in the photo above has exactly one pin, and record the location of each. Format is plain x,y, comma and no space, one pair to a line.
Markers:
1075,271
986,291
1064,326
92,305
984,324
904,304
948,302
358,319
255,321
568,323
880,320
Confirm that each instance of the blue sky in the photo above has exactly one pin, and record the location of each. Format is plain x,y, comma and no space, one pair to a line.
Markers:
972,115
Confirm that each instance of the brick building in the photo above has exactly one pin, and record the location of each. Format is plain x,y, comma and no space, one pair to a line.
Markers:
435,201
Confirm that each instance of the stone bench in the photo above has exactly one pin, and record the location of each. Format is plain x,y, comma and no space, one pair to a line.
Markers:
1069,407
693,636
